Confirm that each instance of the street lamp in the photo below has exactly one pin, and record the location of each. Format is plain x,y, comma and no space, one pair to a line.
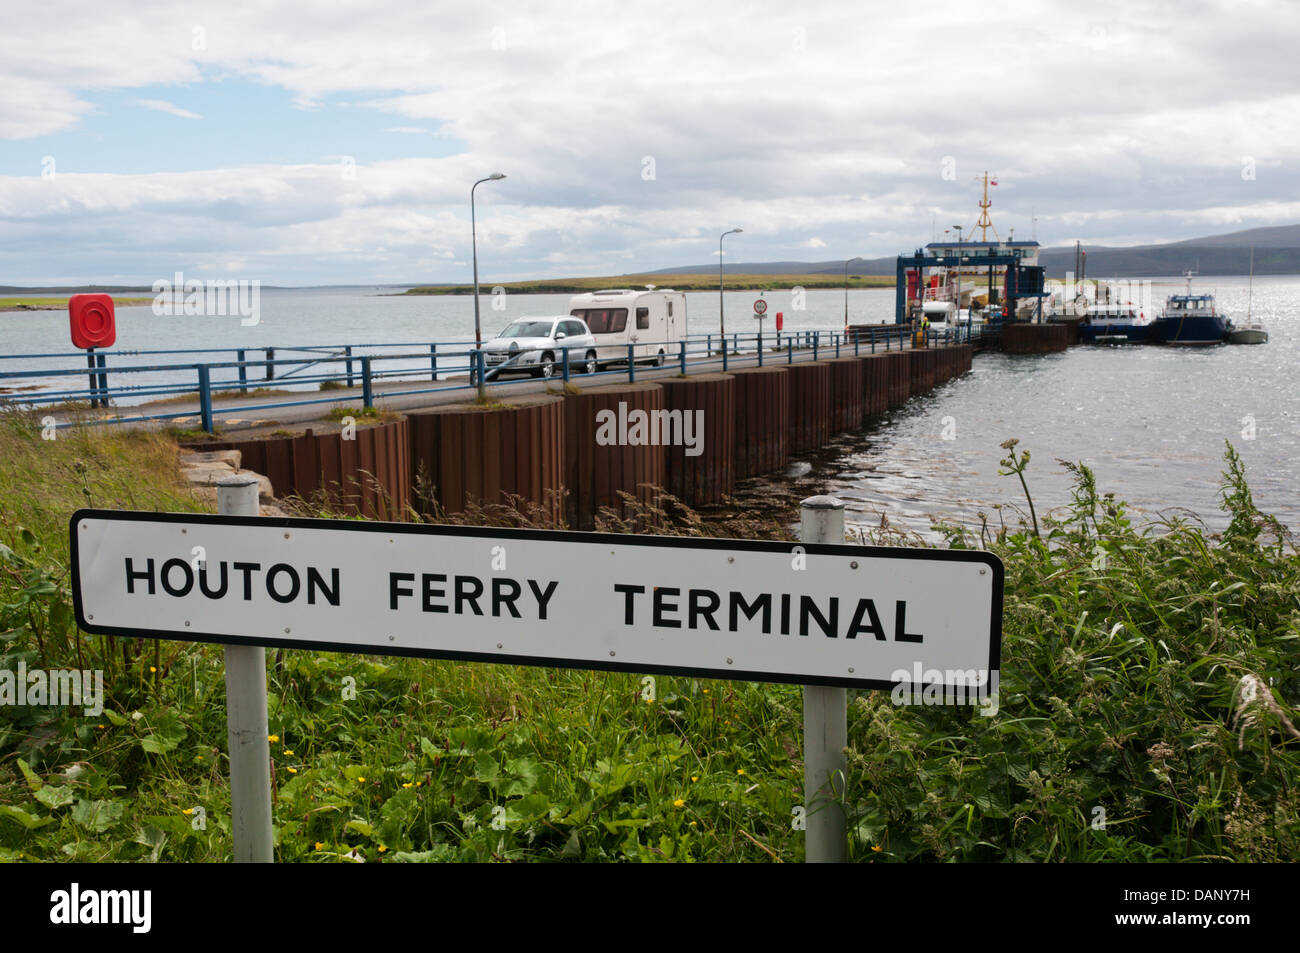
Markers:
473,231
722,321
846,288
478,331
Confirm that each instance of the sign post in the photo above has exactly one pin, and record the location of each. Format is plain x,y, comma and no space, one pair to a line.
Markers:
825,720
246,721
820,614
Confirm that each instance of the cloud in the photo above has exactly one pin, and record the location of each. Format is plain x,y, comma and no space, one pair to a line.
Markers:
788,122
162,106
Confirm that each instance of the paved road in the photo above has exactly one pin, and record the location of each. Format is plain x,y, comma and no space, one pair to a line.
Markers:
235,414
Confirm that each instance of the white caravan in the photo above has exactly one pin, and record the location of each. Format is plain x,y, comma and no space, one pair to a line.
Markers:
653,321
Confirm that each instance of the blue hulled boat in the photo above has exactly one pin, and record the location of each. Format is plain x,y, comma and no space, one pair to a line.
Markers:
1189,319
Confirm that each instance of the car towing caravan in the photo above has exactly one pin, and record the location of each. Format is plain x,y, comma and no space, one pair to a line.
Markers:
653,321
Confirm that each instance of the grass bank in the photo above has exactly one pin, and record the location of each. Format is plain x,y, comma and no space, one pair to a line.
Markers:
1145,713
677,282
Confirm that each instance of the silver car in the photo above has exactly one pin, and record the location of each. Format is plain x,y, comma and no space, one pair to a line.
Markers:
536,346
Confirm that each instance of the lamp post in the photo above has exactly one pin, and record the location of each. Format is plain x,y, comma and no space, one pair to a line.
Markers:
957,291
473,232
722,320
846,288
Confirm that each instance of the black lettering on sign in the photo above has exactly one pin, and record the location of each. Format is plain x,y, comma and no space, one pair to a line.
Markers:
428,594
132,574
867,606
900,625
662,606
738,605
395,590
628,593
186,574
282,569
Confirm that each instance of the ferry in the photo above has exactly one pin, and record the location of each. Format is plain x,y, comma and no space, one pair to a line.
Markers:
1189,319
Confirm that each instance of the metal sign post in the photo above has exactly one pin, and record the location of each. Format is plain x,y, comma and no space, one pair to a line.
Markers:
246,720
825,720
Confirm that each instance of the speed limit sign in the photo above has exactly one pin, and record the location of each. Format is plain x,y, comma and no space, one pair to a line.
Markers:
760,306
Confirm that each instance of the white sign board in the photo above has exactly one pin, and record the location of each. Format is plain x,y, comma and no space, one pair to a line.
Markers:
760,306
762,611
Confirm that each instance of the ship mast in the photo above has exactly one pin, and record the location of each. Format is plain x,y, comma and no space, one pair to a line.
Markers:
985,223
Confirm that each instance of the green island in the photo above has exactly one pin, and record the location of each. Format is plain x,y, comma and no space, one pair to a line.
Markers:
701,282
1146,709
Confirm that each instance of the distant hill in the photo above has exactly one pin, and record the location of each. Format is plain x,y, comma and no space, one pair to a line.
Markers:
1277,252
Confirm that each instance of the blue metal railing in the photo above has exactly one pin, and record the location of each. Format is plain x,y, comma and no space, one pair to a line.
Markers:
451,366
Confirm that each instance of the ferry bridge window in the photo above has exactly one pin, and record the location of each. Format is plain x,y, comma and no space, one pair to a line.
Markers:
642,318
602,320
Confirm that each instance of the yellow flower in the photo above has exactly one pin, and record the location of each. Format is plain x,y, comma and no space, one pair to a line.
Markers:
292,770
320,846
382,848
287,751
152,669
692,823
706,691
188,810
361,780
407,784
273,738
679,803
740,770
695,777
877,849
649,701
419,784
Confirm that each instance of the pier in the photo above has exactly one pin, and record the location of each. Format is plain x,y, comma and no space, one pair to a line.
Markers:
392,443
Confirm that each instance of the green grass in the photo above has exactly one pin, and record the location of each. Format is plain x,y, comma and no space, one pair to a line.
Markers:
702,282
59,304
1124,652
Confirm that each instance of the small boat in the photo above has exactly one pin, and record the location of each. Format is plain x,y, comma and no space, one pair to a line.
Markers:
1252,332
1114,332
1189,319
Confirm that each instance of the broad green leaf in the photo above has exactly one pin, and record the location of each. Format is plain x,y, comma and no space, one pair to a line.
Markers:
98,816
29,821
33,781
55,797
168,732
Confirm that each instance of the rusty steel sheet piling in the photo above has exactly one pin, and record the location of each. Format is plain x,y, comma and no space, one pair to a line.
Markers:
848,397
1035,338
605,454
810,405
762,420
701,407
361,469
487,452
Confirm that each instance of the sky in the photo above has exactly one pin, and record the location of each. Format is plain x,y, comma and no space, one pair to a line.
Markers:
337,143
